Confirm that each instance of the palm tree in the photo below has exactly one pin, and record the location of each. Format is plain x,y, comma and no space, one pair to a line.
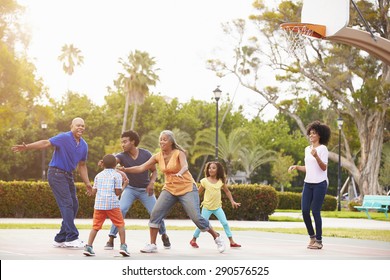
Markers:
252,158
139,75
228,147
70,57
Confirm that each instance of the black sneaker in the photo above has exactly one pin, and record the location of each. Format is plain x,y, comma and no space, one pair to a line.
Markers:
165,240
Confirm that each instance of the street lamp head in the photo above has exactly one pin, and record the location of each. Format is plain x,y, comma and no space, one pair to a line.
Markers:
43,125
217,93
340,122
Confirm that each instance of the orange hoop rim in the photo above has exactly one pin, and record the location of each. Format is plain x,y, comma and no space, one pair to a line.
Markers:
316,30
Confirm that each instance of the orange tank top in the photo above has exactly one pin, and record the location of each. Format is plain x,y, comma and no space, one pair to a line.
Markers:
173,184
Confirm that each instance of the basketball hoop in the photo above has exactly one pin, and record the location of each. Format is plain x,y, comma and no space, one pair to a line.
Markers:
297,35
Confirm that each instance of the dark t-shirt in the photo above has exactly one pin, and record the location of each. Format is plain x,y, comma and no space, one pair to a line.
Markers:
137,180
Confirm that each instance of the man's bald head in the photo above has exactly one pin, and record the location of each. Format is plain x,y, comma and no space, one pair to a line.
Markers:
77,127
77,120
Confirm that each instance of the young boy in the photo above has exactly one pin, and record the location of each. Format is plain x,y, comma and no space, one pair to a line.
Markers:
107,187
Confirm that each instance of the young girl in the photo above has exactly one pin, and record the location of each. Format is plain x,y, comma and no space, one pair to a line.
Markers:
213,182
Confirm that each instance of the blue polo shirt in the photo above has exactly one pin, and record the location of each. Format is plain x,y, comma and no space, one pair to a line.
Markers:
67,153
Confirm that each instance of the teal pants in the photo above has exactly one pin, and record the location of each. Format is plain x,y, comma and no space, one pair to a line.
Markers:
220,214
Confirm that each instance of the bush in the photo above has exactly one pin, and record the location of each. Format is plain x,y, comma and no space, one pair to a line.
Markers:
35,200
23,199
257,202
353,203
27,199
330,203
291,200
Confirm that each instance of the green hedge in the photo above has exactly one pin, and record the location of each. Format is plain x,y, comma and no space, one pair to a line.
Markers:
290,200
22,199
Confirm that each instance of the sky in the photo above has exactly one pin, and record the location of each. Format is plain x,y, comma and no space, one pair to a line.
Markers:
180,34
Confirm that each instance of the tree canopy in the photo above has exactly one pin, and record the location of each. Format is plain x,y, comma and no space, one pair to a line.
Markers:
348,82
332,80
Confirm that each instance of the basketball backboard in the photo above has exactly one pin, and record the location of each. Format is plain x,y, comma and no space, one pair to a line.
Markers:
334,14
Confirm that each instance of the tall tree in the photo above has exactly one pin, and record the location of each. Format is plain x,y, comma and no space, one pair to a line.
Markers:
20,89
384,177
340,74
140,74
70,57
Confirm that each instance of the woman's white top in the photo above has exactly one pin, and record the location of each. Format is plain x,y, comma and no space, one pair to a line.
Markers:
314,173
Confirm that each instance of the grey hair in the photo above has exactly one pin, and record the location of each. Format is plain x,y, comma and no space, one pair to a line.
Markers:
171,137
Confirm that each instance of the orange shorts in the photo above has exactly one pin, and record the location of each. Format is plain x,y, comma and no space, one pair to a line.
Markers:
115,215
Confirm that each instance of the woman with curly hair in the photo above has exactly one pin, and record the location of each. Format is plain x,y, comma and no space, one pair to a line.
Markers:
316,180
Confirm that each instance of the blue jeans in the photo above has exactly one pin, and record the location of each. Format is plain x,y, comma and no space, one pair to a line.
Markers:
190,203
220,214
131,194
313,196
64,190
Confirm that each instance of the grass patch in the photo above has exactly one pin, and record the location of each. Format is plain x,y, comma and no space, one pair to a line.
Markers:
284,219
354,215
364,234
344,213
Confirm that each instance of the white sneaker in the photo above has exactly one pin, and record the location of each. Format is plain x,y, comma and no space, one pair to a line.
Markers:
76,244
149,248
58,244
220,244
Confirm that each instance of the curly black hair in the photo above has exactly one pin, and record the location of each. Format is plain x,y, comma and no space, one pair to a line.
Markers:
220,171
321,129
132,135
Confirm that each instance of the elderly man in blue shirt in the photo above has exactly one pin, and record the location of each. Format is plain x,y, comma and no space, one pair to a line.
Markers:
70,152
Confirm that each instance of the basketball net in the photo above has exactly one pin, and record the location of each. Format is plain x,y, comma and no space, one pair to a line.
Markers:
297,37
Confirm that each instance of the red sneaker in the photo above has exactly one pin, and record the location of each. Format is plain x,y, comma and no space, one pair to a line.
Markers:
193,244
235,245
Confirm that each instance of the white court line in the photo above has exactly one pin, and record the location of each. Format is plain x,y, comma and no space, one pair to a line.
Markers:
12,253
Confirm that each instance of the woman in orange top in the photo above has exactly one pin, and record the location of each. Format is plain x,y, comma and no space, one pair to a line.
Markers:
179,187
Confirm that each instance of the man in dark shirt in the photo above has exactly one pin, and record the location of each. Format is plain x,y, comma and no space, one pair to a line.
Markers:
141,186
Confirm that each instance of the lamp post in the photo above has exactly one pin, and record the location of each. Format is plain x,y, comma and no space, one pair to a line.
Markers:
44,127
340,122
217,96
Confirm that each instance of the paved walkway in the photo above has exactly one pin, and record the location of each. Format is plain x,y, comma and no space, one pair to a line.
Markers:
256,245
28,253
